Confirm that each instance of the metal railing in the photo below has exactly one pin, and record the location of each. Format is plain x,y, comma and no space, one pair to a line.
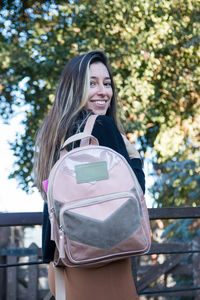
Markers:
35,218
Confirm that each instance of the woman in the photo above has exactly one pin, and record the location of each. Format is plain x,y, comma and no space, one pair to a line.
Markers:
86,87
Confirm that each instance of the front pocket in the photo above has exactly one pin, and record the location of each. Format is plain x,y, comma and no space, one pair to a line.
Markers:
101,223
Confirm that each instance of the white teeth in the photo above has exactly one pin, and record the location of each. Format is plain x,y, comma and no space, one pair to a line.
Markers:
100,102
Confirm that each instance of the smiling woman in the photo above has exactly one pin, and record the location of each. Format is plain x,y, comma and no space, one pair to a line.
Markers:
86,87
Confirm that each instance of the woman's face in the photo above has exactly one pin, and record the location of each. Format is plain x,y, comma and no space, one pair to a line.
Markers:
100,92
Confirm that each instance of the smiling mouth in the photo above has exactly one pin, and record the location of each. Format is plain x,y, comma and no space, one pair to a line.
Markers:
99,102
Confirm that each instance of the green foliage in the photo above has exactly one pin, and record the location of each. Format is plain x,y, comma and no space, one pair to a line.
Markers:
180,230
154,50
178,183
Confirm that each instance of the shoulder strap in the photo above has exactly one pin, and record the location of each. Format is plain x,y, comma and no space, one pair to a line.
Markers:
84,136
90,124
88,129
60,290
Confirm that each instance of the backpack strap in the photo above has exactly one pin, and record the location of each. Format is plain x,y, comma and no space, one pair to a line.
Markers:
85,137
60,283
88,129
80,136
90,124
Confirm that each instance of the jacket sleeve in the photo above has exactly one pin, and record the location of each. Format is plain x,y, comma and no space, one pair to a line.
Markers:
48,246
108,135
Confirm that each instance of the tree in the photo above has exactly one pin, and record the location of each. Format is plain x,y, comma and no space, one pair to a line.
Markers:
154,52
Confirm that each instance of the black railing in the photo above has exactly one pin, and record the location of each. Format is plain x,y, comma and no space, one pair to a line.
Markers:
35,218
29,219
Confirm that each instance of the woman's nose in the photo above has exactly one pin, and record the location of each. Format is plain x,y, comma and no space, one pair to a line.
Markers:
101,89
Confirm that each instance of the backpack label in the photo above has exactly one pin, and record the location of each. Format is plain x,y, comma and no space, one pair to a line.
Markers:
91,172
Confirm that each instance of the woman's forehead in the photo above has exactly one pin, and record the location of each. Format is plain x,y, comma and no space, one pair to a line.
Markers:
97,69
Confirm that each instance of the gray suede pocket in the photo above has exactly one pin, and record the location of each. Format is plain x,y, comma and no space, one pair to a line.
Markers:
104,234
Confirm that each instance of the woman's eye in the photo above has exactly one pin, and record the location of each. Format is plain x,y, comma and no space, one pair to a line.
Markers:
92,83
107,83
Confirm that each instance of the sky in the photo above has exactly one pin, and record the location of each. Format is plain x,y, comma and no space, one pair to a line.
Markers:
13,198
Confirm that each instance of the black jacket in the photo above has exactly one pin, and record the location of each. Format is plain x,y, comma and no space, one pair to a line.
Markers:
108,135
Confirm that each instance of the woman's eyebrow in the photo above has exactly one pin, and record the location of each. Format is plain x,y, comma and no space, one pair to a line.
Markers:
95,77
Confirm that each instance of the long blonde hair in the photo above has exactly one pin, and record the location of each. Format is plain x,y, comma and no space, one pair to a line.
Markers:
71,97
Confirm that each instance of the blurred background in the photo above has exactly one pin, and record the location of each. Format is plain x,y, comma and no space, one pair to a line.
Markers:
154,51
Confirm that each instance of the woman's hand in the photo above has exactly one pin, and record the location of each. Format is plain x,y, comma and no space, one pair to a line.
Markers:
133,153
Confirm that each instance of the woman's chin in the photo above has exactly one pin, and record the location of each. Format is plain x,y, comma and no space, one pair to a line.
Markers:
99,112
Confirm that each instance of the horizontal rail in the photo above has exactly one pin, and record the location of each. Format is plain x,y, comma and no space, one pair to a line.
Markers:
30,263
168,290
172,248
35,218
20,219
174,213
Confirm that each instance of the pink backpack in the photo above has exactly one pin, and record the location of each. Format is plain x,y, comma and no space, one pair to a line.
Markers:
97,208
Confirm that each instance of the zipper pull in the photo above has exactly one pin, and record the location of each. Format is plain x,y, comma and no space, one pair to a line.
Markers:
51,217
61,243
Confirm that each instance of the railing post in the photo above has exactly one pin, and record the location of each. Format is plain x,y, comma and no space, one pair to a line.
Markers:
11,284
33,276
4,240
196,265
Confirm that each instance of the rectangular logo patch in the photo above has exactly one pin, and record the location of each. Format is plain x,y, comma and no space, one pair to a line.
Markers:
91,172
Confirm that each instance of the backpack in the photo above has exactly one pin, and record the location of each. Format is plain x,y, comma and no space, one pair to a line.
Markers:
96,206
